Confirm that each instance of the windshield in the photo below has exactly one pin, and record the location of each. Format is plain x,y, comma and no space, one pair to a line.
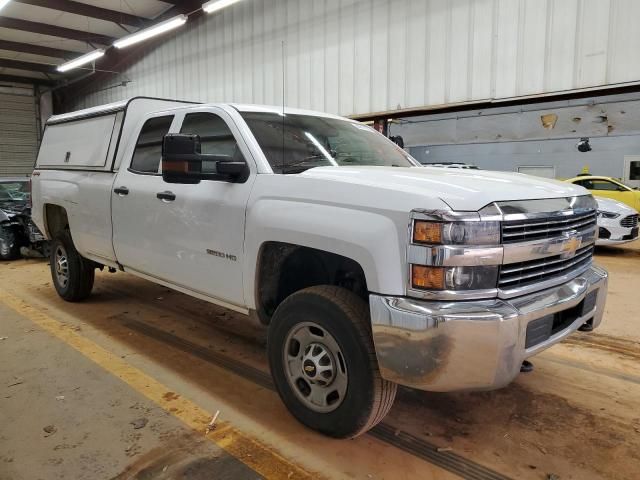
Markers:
294,143
14,191
625,185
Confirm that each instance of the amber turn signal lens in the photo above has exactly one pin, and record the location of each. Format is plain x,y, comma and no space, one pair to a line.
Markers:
427,232
428,278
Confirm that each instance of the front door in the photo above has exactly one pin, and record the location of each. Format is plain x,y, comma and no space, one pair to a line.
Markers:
191,236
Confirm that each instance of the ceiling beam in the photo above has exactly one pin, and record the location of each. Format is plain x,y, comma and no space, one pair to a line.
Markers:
115,60
29,66
55,31
29,80
37,49
86,10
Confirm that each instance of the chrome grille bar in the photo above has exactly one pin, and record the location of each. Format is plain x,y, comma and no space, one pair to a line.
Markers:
522,273
516,231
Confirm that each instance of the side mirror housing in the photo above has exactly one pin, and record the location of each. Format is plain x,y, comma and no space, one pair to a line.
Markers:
182,162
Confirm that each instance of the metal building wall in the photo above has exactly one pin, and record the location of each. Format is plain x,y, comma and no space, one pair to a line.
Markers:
18,130
544,134
356,57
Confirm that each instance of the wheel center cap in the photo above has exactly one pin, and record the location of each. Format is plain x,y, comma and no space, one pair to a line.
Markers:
309,369
317,364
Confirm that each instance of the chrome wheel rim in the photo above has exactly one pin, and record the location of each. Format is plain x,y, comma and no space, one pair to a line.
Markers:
61,266
315,367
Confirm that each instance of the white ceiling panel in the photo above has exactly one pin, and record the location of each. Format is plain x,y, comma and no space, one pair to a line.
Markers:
44,40
61,19
141,8
22,73
29,57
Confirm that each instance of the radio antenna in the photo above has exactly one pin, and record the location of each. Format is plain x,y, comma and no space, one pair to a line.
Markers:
283,100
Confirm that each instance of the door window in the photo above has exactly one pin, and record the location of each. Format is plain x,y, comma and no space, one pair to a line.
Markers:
607,185
146,156
215,138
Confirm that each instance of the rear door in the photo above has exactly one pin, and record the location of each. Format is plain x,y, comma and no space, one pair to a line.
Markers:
137,215
191,236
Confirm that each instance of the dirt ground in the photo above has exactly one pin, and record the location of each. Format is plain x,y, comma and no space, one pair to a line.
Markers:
576,416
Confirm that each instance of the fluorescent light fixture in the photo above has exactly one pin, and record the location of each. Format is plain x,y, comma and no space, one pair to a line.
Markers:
152,31
215,5
3,3
76,62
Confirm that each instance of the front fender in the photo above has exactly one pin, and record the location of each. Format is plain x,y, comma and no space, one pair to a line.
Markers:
375,241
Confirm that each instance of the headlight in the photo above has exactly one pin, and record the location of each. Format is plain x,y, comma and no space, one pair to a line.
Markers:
456,233
603,214
454,278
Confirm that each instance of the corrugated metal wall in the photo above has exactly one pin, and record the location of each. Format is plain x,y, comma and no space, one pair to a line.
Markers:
18,131
363,56
542,134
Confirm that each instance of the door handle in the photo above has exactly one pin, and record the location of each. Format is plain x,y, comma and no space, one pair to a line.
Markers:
166,196
121,191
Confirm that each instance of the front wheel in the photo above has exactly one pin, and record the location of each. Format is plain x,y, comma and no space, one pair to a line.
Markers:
9,244
323,362
72,274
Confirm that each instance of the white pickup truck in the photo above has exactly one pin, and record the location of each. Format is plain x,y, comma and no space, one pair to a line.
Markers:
369,269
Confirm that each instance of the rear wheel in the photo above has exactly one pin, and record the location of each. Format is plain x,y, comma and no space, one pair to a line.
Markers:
323,362
9,244
72,274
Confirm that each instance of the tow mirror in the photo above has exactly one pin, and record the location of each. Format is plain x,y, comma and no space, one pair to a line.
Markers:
182,162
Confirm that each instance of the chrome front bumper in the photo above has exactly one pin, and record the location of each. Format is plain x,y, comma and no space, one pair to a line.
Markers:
476,345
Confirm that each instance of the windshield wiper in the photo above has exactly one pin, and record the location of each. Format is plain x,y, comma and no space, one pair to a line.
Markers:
304,164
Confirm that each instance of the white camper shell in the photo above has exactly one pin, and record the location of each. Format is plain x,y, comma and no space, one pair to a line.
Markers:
88,139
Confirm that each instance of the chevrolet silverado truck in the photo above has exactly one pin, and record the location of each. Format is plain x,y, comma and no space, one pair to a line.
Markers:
369,270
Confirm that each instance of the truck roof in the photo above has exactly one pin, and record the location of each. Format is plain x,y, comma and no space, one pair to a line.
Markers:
106,109
124,104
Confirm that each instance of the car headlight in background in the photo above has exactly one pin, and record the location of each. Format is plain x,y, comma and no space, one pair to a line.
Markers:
456,233
454,278
610,215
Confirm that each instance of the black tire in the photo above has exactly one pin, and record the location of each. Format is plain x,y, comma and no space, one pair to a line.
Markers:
80,272
345,316
9,244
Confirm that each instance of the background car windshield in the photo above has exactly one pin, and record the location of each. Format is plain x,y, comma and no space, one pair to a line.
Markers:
14,191
295,143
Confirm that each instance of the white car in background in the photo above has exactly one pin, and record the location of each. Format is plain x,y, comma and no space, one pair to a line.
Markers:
617,222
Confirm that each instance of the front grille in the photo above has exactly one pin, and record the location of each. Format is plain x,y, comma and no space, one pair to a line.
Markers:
629,221
514,231
520,274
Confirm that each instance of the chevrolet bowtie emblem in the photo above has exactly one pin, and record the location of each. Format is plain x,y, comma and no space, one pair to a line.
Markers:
571,244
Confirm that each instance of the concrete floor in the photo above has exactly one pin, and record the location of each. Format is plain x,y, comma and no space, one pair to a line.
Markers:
136,351
63,417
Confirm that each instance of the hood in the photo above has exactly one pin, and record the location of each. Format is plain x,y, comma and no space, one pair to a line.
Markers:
461,189
613,206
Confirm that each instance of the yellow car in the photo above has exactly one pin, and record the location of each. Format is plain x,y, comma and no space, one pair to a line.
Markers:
610,188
